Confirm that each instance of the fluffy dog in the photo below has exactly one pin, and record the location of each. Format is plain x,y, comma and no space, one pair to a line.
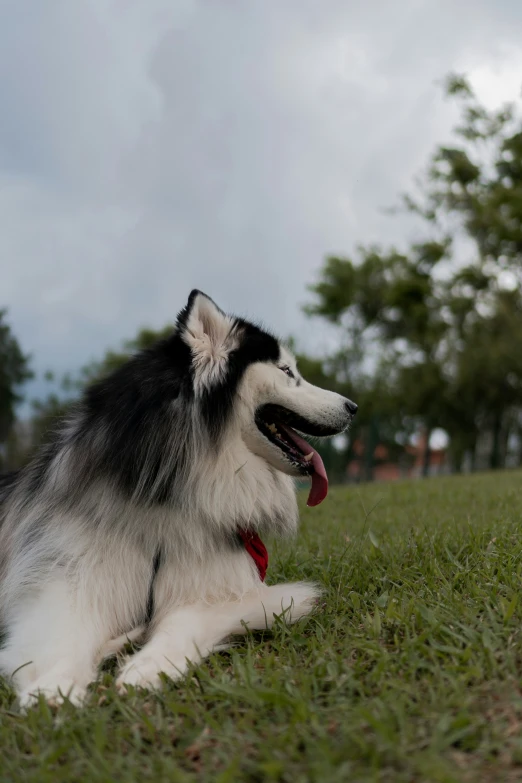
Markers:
142,517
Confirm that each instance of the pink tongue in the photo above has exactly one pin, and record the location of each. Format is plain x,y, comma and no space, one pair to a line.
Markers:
319,489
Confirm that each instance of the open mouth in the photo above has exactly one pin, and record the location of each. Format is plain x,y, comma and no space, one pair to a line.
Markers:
274,422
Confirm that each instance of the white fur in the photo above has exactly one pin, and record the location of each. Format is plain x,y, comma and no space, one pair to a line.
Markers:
189,633
74,579
210,336
60,635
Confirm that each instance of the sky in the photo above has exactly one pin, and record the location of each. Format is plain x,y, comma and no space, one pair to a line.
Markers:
230,145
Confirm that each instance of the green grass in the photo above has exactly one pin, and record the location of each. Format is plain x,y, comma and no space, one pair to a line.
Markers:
410,670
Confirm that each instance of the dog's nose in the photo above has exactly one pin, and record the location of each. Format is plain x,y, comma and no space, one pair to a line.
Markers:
351,407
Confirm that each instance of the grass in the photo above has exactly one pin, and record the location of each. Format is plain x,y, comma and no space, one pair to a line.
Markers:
410,670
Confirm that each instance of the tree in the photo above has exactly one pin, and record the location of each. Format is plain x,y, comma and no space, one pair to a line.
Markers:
389,304
444,332
14,372
478,186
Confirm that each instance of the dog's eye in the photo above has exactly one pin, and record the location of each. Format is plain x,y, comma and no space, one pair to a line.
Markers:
286,369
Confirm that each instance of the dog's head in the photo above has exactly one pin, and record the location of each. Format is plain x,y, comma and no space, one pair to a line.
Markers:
237,366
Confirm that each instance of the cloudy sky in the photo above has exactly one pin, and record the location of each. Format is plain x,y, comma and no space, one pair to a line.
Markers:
147,148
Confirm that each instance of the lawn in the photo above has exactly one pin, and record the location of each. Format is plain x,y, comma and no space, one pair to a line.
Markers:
410,669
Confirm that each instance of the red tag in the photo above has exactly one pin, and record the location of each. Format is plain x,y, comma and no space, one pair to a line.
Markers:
257,551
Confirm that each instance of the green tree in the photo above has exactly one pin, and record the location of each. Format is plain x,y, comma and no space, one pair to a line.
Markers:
446,334
477,186
389,303
14,372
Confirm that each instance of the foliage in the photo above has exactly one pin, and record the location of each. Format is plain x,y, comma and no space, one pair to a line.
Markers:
14,372
441,321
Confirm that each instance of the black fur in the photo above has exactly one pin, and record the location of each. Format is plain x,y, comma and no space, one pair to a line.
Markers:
7,484
255,345
132,413
133,407
156,565
276,413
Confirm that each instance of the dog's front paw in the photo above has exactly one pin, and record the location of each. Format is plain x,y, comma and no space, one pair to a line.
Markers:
143,671
293,600
54,692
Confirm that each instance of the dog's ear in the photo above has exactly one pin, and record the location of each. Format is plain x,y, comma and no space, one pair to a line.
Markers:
201,316
208,332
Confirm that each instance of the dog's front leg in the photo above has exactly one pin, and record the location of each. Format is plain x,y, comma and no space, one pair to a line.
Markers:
189,633
52,645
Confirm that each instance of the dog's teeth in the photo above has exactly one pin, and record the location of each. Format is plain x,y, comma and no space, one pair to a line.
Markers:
272,428
308,457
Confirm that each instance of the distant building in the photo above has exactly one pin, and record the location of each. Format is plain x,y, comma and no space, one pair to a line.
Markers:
408,465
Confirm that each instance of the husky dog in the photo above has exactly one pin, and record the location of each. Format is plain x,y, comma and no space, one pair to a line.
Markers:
141,519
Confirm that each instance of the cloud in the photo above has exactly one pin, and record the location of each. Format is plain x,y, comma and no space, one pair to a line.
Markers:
147,148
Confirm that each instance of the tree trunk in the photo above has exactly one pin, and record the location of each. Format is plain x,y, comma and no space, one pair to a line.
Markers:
494,461
473,461
369,451
457,458
504,446
426,454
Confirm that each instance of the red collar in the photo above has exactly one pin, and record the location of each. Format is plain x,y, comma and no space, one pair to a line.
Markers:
256,549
